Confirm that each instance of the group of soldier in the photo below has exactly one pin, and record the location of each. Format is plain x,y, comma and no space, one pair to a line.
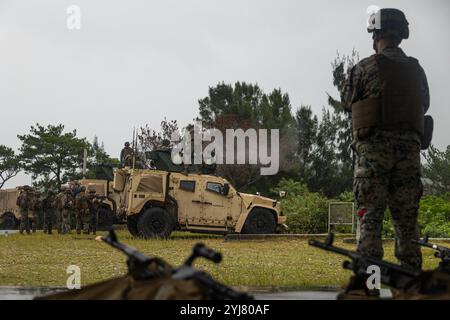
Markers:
72,205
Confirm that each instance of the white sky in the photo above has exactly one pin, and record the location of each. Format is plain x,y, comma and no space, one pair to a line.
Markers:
136,62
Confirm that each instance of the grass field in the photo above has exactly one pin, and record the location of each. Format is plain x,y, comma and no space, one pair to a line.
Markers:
41,260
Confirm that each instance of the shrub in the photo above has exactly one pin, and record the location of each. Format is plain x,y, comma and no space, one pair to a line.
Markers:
306,212
434,216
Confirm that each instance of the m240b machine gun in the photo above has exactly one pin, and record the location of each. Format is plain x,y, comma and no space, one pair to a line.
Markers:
138,266
442,253
393,275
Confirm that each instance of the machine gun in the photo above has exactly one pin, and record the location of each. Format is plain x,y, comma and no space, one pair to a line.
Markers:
138,263
138,266
393,275
442,253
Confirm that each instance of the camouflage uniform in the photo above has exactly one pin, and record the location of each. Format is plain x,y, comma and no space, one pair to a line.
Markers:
35,210
126,155
24,202
49,212
83,213
94,204
56,205
387,169
65,206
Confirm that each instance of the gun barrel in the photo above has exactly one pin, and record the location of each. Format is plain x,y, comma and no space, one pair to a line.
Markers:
444,251
331,248
128,251
368,260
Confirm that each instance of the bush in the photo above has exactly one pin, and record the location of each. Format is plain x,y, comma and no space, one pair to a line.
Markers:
434,216
306,212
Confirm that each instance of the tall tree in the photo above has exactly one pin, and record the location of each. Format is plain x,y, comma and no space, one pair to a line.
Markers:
9,164
50,154
100,165
150,139
307,126
324,163
245,106
437,170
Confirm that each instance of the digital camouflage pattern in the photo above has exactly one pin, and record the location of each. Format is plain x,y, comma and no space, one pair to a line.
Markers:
24,202
364,82
83,213
49,212
387,169
94,204
35,210
387,173
58,211
65,207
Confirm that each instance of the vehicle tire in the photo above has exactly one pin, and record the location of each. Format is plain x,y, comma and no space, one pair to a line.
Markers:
105,219
260,221
132,225
155,223
9,222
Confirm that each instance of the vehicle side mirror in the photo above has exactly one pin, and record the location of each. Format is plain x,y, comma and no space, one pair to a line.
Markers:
225,189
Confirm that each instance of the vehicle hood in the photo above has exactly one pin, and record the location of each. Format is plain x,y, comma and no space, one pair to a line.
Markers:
254,199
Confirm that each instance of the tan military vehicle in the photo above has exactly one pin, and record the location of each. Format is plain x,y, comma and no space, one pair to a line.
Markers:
9,211
158,202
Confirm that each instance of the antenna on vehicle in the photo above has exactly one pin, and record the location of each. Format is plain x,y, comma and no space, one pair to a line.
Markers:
134,146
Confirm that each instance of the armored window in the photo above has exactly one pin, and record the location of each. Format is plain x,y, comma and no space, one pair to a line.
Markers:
187,185
214,187
150,184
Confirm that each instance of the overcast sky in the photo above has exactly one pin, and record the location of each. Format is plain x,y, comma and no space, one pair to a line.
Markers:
136,62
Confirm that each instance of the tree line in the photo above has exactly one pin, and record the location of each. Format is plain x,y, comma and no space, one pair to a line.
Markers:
315,151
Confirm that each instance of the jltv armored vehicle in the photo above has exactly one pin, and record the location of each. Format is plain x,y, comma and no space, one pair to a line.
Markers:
9,211
159,201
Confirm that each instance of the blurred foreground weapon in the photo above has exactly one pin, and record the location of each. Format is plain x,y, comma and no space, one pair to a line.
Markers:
442,253
138,267
393,275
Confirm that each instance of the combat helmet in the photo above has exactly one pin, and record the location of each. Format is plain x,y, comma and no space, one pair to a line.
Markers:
391,21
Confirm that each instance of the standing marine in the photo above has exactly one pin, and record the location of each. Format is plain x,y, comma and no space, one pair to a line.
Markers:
387,95
49,211
57,207
35,212
95,203
65,207
82,212
24,203
126,155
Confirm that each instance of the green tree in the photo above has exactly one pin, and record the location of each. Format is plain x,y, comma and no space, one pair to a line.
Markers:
52,155
437,170
245,106
341,67
9,164
100,165
150,139
325,169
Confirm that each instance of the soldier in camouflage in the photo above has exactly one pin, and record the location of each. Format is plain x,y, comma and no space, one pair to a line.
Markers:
65,207
35,210
24,203
82,211
126,155
95,203
387,95
56,205
49,211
